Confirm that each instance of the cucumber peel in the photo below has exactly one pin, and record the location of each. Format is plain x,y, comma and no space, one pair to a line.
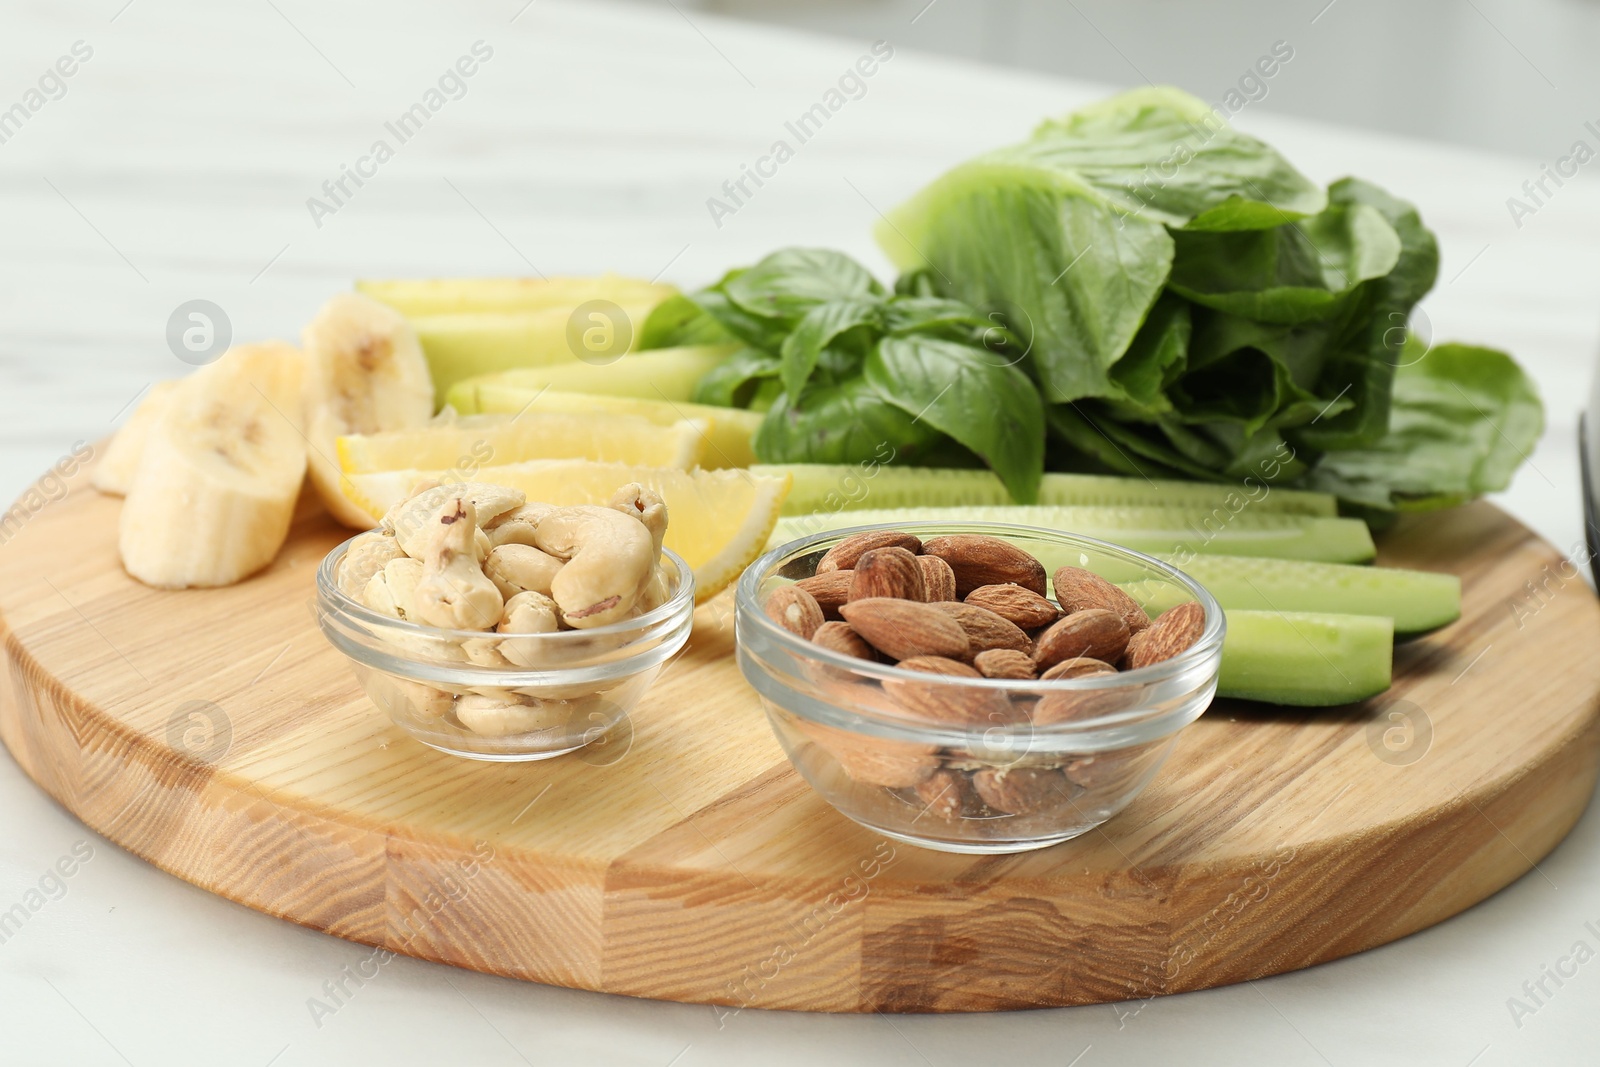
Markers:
829,487
1305,659
1177,534
1417,601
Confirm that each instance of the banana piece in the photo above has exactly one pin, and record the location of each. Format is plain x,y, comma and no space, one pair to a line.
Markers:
219,473
365,373
114,473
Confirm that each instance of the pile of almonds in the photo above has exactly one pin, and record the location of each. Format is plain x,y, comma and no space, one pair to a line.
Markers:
966,606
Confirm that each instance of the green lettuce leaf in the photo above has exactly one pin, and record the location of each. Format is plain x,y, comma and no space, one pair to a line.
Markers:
1170,157
1073,274
1360,365
1461,421
1301,272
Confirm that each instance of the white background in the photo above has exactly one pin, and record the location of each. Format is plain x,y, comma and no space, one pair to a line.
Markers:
177,166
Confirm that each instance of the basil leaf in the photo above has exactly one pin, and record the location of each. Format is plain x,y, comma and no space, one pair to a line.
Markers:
816,330
932,314
679,322
751,329
789,283
846,423
733,382
989,407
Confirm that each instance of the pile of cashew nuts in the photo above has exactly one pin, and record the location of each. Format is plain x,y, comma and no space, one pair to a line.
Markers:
477,557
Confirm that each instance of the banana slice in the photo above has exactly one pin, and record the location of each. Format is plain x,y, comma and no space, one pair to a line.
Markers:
365,374
114,473
220,472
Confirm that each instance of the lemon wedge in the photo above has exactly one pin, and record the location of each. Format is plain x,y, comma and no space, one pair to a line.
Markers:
470,442
718,521
727,442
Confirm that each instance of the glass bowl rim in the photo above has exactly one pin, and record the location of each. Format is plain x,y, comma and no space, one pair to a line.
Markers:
1209,641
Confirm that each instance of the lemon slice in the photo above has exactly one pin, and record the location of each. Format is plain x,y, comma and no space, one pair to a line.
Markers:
727,443
477,441
718,521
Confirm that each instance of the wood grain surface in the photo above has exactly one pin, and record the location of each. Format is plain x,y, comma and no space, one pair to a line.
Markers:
216,734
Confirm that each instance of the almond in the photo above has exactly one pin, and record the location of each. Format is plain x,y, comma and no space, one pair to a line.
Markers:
1126,662
978,560
1004,663
874,760
985,629
938,580
947,701
944,794
1172,633
1114,772
830,590
1077,667
901,629
1096,633
890,571
1023,607
1066,705
842,638
1079,590
1021,790
843,556
795,610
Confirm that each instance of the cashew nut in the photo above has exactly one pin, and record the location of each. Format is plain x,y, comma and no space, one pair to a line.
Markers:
453,591
608,558
401,576
365,557
518,568
405,699
485,652
376,595
503,716
528,612
646,505
516,526
413,520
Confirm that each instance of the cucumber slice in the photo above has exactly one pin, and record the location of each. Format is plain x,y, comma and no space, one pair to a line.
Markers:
825,487
1417,601
1177,534
1305,659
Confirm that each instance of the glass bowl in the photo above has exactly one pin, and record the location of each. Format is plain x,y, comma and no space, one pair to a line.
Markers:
460,692
850,728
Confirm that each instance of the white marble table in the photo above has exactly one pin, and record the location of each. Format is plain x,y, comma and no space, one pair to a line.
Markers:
177,166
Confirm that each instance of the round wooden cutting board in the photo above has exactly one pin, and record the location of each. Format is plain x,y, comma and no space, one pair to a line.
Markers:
217,735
